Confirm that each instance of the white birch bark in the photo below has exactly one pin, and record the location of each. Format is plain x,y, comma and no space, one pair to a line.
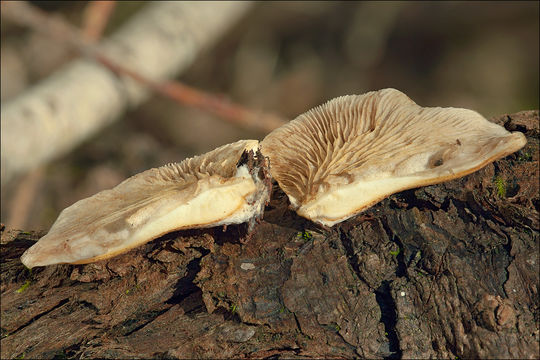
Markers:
51,118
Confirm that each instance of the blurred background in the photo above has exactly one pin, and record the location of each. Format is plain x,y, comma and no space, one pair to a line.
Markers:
284,58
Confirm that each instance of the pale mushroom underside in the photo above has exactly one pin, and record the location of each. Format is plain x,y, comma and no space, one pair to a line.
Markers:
342,157
333,162
203,191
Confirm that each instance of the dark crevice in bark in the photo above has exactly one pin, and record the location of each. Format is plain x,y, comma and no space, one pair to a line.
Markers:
229,314
297,323
233,234
466,215
451,347
536,204
412,201
446,203
88,305
35,318
512,126
185,286
148,318
69,352
383,295
483,211
508,248
282,349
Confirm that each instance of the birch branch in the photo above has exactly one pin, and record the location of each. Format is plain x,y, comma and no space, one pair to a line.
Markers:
96,16
159,42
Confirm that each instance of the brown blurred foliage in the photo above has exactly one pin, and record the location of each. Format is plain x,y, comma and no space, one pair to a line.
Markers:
284,58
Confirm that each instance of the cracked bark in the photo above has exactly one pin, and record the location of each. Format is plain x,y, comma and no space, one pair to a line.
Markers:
449,270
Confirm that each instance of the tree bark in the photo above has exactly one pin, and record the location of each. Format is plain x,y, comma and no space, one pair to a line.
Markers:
444,271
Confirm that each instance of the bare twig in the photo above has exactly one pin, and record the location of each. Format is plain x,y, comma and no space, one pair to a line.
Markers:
22,200
190,96
28,15
52,117
25,14
96,17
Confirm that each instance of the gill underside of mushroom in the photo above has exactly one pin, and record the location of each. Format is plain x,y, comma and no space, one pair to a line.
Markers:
333,162
213,189
342,157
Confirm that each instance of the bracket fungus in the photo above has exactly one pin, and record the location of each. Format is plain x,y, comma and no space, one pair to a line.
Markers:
332,162
342,157
228,185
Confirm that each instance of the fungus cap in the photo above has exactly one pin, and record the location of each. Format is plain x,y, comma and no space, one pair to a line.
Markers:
216,188
342,157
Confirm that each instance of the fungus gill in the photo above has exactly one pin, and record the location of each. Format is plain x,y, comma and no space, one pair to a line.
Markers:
332,162
342,157
218,188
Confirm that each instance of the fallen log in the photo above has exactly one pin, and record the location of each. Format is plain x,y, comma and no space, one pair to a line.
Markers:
443,271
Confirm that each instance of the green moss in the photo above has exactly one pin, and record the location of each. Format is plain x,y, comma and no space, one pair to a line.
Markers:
395,252
305,235
525,156
233,308
133,289
23,287
500,185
